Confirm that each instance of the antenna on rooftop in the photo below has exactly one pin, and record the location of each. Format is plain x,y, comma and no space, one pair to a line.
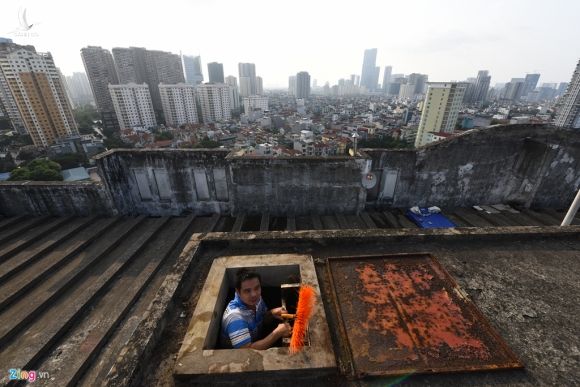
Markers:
355,137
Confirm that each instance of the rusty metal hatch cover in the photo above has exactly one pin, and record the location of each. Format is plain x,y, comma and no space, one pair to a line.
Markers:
404,314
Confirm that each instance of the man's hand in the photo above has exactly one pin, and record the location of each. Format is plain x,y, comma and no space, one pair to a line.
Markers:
283,330
277,312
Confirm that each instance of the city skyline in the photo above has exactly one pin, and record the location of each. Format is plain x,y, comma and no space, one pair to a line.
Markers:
443,40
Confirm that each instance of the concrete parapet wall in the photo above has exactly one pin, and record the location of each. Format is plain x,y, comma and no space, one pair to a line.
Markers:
297,186
171,182
167,182
54,198
531,165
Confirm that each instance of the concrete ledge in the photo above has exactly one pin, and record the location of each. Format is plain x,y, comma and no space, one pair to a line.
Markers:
195,360
55,198
130,151
441,233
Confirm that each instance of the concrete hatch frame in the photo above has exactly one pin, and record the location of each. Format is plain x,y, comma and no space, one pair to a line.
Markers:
198,362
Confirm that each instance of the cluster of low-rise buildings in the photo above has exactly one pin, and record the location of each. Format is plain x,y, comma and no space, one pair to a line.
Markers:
142,94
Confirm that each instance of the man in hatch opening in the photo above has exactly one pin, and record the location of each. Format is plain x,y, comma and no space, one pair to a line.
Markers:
242,322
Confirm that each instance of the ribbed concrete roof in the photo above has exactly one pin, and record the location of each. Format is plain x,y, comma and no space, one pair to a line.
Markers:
101,299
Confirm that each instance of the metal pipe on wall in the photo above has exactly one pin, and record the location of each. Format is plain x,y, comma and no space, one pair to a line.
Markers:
572,210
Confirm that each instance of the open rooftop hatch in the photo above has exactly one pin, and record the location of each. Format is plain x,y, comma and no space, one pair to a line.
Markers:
200,359
398,314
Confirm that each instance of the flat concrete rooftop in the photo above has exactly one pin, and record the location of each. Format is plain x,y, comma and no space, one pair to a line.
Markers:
108,300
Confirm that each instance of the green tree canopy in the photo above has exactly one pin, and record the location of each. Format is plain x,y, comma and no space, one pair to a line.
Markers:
5,124
163,136
385,142
85,117
23,139
495,121
37,170
70,160
115,141
207,143
16,140
7,163
30,153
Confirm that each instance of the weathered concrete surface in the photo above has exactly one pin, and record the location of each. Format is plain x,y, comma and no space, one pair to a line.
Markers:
297,186
198,361
170,182
54,198
529,165
130,364
166,182
69,290
523,279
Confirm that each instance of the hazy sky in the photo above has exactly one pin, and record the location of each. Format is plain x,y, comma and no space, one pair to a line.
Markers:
446,39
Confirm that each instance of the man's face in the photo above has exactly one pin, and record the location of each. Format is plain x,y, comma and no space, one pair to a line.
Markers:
250,291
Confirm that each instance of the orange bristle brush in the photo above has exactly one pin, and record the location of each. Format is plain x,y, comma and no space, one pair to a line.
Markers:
306,300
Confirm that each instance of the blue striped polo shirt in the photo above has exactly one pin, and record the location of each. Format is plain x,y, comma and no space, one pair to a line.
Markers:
240,324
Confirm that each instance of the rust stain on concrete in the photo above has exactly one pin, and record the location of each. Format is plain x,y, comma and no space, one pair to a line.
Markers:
405,312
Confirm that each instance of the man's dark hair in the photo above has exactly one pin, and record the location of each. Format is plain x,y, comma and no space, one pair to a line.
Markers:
244,275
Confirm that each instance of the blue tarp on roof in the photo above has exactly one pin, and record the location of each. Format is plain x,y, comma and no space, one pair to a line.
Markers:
75,174
429,220
4,176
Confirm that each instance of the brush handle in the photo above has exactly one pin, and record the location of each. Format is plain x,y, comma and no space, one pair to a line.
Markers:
288,315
